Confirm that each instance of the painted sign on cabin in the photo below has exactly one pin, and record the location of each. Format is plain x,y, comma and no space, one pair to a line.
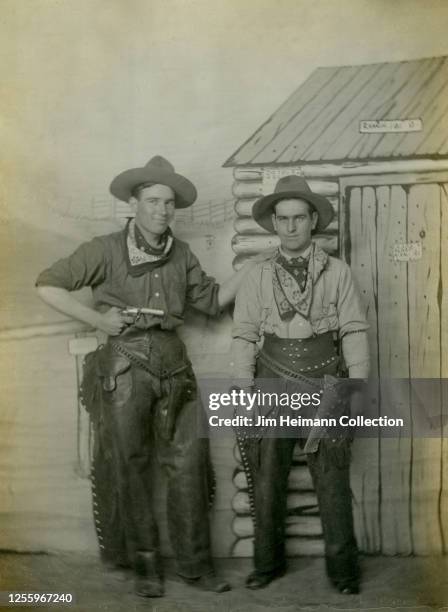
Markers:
390,126
407,251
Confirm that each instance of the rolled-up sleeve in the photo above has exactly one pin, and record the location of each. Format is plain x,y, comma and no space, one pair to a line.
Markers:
202,290
355,348
352,326
350,312
85,267
247,319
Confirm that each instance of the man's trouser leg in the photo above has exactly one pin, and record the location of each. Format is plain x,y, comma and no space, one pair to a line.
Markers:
270,462
330,470
186,460
133,425
106,508
125,447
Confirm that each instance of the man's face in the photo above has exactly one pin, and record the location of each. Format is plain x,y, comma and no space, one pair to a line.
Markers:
154,208
293,223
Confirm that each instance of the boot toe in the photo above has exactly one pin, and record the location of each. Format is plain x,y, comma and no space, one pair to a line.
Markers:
349,589
149,588
209,582
258,580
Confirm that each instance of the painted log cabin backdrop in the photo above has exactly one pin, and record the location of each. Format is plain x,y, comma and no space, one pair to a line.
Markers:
388,189
374,139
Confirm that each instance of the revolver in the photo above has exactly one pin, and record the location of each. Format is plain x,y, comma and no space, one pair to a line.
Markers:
136,312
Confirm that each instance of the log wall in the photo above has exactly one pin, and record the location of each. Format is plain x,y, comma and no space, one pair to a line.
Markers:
251,184
303,525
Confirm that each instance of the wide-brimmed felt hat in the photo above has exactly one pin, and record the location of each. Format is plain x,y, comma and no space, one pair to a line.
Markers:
157,170
289,187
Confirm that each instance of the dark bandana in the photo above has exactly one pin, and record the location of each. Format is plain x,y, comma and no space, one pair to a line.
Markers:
141,257
293,282
144,246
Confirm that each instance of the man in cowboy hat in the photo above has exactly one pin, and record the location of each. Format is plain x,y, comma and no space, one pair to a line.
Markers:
139,387
299,300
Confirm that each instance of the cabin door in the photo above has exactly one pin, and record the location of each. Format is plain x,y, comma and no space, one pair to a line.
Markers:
394,234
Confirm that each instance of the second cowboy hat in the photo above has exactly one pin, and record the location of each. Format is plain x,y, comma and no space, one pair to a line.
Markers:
157,170
289,187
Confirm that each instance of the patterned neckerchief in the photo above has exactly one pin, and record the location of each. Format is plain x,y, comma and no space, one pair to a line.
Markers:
141,257
296,266
293,282
142,244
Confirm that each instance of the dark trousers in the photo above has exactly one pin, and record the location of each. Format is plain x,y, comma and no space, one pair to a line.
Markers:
268,460
141,421
329,468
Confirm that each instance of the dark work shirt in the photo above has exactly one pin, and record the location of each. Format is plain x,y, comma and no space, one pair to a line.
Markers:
101,265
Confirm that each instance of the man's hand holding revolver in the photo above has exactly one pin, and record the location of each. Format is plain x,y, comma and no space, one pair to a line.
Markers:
115,319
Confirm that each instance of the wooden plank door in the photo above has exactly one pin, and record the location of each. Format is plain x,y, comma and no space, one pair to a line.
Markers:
365,471
400,483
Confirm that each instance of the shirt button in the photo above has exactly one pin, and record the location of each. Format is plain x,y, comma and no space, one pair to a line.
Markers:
157,294
156,275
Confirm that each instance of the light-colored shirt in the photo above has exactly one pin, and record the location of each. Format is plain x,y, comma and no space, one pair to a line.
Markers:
335,306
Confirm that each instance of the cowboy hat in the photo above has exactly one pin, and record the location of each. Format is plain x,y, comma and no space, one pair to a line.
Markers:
289,187
157,170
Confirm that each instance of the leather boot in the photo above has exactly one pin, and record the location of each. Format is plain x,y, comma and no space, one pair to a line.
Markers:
260,580
208,582
149,581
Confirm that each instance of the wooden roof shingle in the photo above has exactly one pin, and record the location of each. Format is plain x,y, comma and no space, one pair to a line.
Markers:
320,121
